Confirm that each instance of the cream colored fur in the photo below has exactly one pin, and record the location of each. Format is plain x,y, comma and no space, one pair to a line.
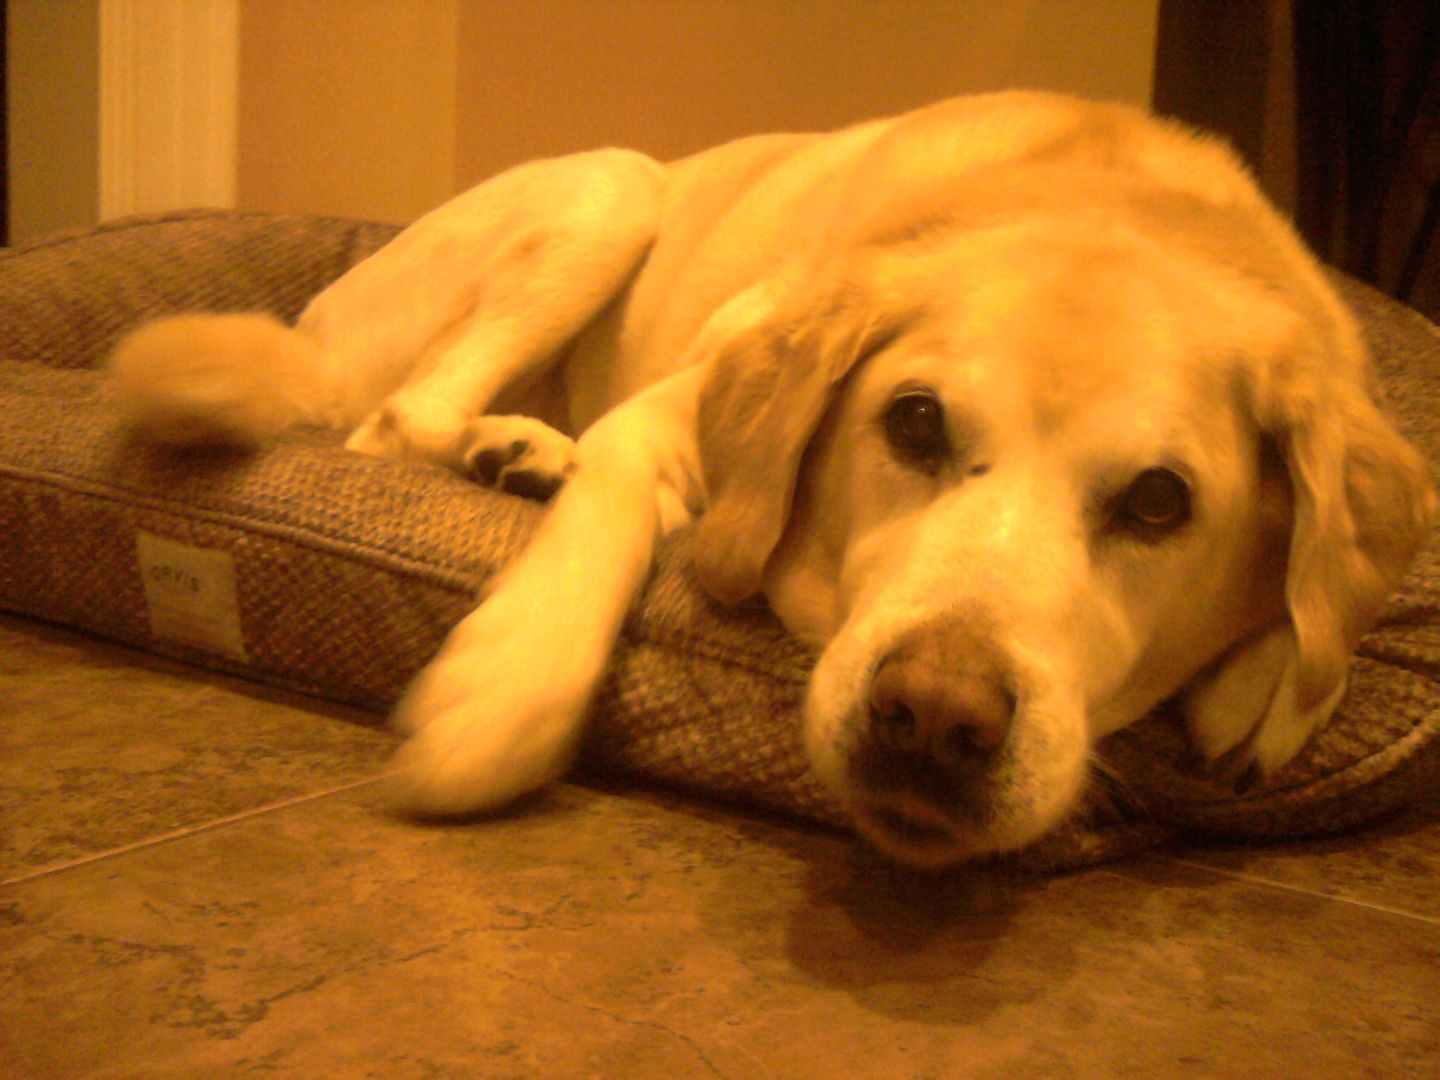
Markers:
1085,293
227,380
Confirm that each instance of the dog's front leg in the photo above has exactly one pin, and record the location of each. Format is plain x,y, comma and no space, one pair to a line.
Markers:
499,711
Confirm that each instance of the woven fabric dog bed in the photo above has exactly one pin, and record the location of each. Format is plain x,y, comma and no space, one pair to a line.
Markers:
339,575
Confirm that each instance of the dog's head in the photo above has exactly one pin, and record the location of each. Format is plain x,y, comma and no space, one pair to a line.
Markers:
1026,476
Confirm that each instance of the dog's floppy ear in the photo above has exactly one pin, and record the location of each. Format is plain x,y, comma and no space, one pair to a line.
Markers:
1361,507
769,385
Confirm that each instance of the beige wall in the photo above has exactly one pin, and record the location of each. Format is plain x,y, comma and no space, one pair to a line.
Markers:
539,77
346,106
52,73
382,108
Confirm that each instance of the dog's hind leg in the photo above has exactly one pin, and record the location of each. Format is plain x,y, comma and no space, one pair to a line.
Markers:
406,348
543,248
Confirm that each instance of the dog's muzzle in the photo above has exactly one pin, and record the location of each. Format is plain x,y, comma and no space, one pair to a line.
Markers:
941,708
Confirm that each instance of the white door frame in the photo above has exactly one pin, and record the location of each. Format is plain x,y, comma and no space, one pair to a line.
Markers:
169,84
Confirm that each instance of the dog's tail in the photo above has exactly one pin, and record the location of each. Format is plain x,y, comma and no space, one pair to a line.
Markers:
224,381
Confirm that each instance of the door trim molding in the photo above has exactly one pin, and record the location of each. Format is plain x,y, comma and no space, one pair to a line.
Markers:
169,83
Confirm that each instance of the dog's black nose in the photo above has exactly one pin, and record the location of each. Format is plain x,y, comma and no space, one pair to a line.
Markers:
952,705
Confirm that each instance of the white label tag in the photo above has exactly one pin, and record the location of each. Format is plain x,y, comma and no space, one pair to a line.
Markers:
191,594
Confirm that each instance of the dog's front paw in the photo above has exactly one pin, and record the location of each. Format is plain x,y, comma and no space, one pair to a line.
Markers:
519,455
483,732
1244,717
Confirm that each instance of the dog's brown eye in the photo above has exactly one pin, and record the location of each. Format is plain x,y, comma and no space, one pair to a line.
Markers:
1157,501
915,427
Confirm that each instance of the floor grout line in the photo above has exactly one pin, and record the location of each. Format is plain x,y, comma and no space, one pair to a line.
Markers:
217,823
183,832
1255,879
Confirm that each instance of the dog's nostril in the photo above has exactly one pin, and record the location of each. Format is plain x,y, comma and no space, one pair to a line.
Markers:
896,722
891,715
965,740
985,715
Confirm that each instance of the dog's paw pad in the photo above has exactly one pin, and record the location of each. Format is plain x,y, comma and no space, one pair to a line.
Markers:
519,455
530,483
487,463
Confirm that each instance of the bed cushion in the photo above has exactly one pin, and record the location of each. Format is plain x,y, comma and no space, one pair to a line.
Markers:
336,574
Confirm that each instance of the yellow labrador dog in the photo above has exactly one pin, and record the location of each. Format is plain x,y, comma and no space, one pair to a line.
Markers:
1028,411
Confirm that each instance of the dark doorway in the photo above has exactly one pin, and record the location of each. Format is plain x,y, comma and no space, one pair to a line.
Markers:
1368,138
1336,104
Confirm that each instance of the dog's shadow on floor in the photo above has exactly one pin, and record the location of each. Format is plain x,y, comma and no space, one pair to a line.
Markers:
916,946
956,946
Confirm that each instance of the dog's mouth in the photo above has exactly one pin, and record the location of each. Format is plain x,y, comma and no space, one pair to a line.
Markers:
932,814
934,806
918,811
911,830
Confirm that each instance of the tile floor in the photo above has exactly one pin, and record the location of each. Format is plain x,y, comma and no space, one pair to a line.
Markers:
197,878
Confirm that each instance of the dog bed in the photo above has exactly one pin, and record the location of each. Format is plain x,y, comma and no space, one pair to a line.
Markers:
314,568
